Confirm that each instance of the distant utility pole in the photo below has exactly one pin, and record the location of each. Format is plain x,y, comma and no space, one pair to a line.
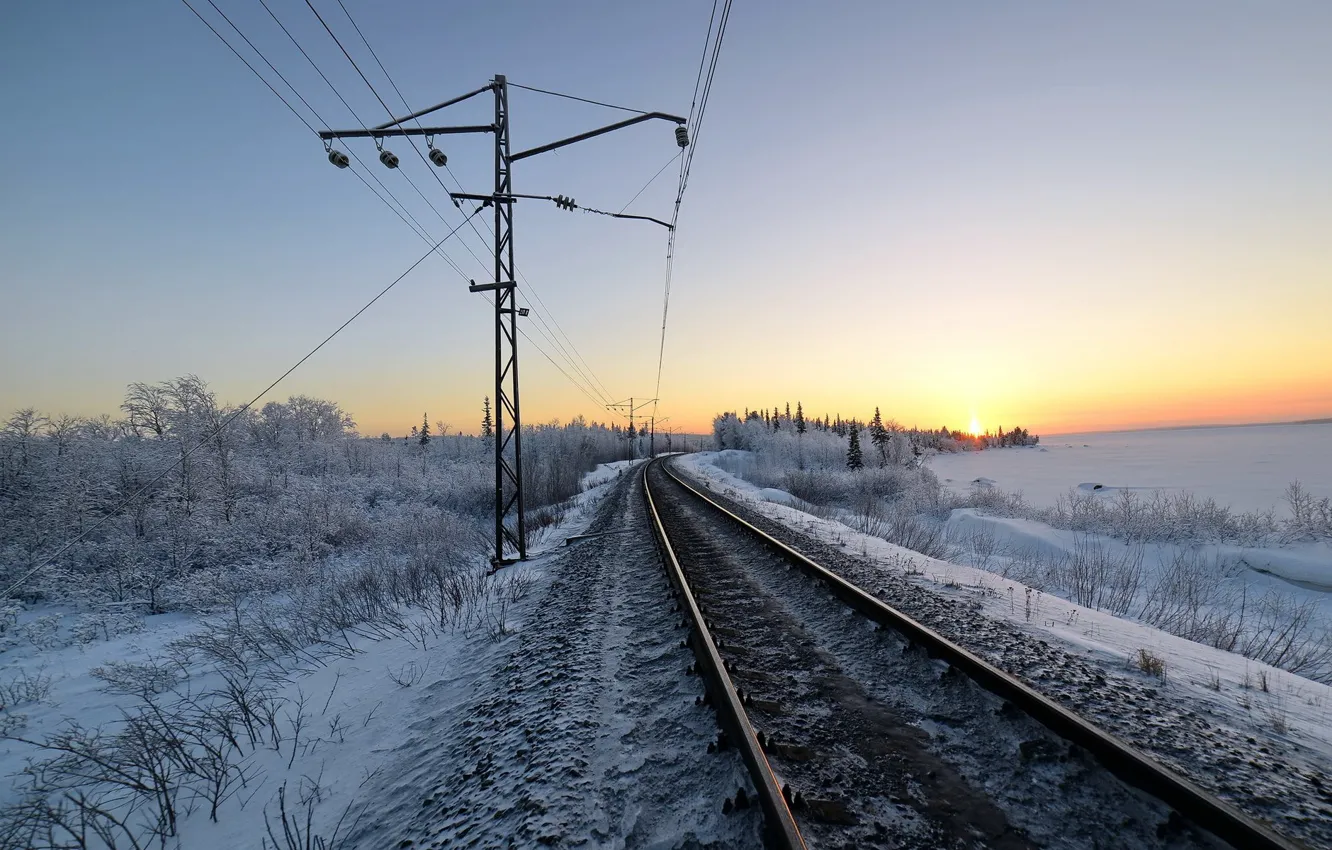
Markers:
631,407
652,430
510,511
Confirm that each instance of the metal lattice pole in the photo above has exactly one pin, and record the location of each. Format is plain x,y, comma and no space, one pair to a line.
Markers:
510,516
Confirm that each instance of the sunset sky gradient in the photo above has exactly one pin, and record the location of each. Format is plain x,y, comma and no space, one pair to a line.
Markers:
1052,215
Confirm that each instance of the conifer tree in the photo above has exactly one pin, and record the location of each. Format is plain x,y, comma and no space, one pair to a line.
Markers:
853,458
788,409
879,436
799,419
424,438
487,424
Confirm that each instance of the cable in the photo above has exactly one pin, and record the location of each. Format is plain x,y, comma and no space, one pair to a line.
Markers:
686,163
418,228
414,225
585,371
275,92
336,41
660,171
220,428
701,59
305,102
574,97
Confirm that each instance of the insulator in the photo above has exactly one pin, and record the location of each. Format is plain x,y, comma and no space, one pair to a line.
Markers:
388,159
338,158
438,157
681,136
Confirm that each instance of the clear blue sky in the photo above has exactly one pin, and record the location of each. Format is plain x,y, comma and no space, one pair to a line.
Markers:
1043,213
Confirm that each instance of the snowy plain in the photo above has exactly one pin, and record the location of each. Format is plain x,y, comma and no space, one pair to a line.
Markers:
1244,467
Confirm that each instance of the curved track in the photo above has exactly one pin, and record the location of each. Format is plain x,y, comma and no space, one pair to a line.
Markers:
874,730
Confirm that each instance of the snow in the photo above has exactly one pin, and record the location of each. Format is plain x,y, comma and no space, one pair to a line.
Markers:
348,717
1035,539
1255,697
1246,468
781,497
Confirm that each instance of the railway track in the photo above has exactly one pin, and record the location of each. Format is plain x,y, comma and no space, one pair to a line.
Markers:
863,728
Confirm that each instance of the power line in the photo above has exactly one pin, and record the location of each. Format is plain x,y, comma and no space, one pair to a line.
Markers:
686,162
512,84
660,171
222,427
336,41
414,225
261,77
585,370
701,59
305,102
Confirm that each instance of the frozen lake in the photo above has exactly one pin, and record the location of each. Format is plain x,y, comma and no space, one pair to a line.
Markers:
1246,468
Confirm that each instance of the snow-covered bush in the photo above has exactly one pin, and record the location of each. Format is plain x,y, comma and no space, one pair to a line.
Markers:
277,492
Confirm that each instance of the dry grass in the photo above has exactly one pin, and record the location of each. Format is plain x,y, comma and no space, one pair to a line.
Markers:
1151,663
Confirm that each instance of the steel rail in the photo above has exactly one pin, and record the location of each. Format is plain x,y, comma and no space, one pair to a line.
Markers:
1128,763
779,824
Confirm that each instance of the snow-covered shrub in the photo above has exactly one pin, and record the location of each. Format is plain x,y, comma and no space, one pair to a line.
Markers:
1097,577
1310,517
290,486
146,680
42,632
9,614
104,624
1160,517
24,688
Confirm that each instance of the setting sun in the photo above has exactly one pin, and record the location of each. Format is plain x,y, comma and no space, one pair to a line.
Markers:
975,426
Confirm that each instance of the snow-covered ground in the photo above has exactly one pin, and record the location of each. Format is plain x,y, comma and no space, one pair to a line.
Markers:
377,736
1246,468
1248,699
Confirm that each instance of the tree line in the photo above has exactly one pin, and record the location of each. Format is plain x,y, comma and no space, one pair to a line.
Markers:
889,440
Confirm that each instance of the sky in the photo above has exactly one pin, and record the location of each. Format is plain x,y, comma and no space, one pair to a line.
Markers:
1067,217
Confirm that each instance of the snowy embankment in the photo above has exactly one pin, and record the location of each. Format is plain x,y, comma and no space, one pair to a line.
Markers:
1255,700
213,727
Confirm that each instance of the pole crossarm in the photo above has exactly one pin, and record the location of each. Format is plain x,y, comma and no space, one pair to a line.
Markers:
436,107
490,287
381,133
665,224
609,128
512,198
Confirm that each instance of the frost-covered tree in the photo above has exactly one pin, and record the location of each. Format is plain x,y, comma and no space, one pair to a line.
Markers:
853,456
424,438
487,424
800,419
879,436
